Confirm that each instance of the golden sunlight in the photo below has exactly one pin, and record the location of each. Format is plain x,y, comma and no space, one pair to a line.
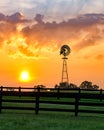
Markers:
24,76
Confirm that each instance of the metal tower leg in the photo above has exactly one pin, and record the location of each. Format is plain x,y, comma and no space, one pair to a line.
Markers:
64,71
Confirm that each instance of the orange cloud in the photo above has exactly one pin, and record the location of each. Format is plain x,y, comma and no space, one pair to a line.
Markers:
30,38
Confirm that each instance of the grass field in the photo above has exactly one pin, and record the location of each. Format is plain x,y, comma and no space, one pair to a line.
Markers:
16,120
28,120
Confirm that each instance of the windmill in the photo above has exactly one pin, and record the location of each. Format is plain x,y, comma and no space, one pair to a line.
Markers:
65,51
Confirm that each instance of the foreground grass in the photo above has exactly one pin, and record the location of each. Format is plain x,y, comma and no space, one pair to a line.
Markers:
18,120
27,120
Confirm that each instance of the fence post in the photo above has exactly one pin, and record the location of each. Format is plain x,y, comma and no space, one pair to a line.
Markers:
100,94
76,104
37,100
58,93
1,89
19,91
79,92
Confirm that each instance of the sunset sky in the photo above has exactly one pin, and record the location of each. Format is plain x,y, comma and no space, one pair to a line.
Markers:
32,32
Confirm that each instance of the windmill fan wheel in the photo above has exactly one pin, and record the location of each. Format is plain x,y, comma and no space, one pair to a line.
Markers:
65,50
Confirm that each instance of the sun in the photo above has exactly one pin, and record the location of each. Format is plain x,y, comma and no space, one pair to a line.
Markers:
24,76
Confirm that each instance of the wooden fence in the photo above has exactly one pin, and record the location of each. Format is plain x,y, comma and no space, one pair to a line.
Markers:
75,97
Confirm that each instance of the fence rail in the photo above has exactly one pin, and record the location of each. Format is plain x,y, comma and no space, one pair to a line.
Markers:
75,97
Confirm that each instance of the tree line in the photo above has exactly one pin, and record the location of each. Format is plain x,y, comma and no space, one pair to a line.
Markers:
84,85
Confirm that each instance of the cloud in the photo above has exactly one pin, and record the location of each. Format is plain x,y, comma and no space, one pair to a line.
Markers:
14,18
93,6
64,9
53,9
21,37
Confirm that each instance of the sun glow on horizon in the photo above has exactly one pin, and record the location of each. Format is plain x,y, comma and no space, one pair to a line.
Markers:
24,76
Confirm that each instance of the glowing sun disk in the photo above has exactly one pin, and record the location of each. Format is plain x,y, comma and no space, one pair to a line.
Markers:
24,76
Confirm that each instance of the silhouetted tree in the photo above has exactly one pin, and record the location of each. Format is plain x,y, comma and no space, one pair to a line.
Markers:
64,85
39,86
88,85
96,87
56,86
71,85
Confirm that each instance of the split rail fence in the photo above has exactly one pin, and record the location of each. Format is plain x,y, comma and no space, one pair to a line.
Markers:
77,98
